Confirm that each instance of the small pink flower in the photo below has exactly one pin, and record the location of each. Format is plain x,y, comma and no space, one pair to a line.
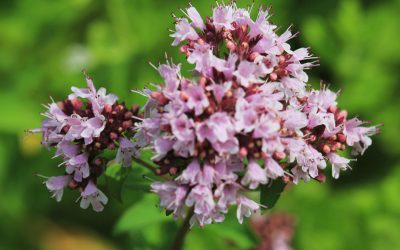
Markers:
93,196
266,127
67,149
321,99
201,198
183,128
227,193
170,73
222,126
92,128
197,101
161,147
57,184
172,196
98,98
338,163
126,152
294,119
195,17
358,136
273,169
223,17
261,26
191,174
246,208
254,176
78,166
245,73
183,31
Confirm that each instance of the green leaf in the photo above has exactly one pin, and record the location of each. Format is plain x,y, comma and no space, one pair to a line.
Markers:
137,180
141,215
108,154
115,176
271,192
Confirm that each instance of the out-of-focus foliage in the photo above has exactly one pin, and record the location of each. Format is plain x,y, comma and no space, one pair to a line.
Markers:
44,45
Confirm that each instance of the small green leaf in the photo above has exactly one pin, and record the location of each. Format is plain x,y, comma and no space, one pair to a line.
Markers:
140,215
137,180
115,176
271,192
108,154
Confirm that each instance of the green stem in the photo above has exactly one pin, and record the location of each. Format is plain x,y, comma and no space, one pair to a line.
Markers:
182,232
145,164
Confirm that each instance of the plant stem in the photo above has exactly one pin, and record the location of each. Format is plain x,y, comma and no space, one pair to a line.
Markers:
145,164
183,230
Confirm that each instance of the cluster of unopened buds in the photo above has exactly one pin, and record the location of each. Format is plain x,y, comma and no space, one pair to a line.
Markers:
246,118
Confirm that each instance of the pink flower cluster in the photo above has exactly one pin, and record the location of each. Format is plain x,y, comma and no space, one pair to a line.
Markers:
80,129
248,117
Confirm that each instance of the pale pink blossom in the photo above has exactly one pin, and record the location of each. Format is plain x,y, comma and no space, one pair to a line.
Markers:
56,185
126,152
195,17
172,196
246,208
93,196
184,31
223,17
254,176
79,166
339,163
197,101
245,73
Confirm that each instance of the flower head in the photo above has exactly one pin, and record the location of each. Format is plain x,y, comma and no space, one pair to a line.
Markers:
246,117
81,128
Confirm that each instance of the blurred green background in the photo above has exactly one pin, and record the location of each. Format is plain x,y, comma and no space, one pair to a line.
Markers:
44,45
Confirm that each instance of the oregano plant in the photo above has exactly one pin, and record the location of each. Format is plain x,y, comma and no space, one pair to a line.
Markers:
244,124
